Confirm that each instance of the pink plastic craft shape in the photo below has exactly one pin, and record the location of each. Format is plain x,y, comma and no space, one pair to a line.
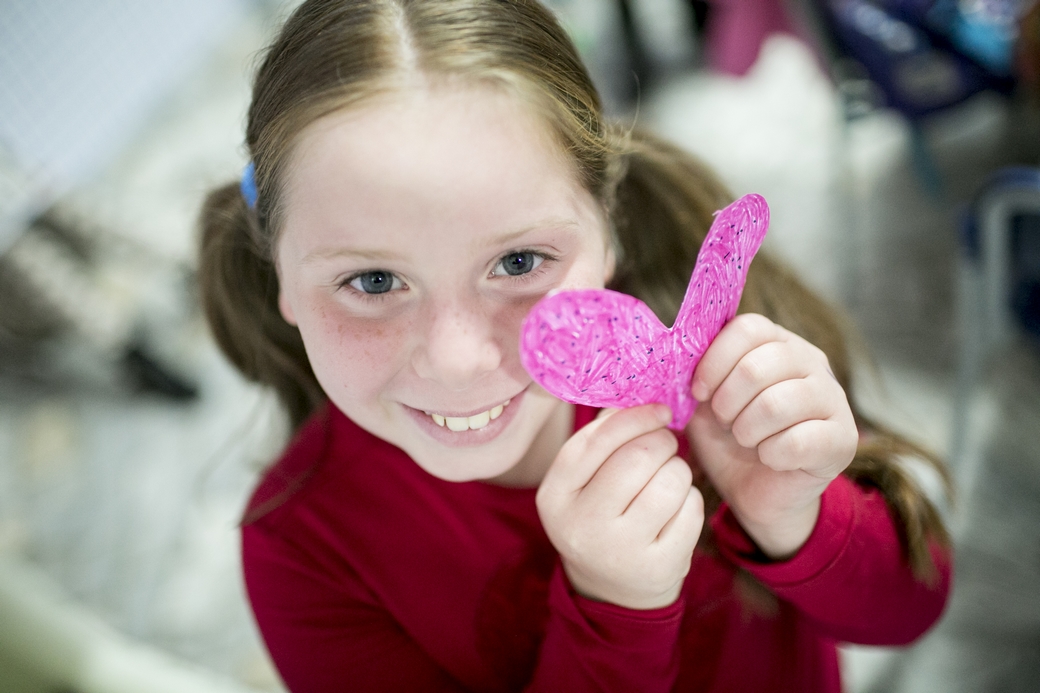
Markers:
602,348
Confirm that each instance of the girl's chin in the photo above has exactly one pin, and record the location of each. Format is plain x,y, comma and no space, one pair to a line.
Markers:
458,471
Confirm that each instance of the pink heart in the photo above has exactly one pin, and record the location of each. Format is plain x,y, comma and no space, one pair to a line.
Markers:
602,348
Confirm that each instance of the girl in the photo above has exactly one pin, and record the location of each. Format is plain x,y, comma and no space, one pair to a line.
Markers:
424,172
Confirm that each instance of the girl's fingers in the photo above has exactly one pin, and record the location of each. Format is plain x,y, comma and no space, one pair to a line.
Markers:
583,455
740,335
660,498
818,447
785,404
628,471
762,367
681,531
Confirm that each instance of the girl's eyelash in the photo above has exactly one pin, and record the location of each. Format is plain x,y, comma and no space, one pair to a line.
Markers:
546,258
364,295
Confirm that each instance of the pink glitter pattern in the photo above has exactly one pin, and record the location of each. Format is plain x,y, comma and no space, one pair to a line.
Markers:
602,348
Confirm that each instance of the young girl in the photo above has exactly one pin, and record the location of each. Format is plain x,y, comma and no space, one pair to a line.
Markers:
425,171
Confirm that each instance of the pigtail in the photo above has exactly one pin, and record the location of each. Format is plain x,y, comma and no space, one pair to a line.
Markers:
239,292
664,205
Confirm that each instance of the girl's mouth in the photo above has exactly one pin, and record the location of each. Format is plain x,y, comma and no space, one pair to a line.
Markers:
477,428
470,423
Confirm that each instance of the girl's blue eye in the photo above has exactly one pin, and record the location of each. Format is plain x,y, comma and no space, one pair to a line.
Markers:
515,264
375,282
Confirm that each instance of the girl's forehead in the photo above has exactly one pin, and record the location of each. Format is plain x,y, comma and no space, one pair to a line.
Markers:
440,118
469,158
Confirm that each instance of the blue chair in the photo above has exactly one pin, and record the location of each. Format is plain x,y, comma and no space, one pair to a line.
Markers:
918,57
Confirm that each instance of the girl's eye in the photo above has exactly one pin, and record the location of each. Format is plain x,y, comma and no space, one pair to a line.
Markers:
375,282
515,264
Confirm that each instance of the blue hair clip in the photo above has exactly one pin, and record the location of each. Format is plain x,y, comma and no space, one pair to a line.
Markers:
248,185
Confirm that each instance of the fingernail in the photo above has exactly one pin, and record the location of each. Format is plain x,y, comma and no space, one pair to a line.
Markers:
699,390
664,413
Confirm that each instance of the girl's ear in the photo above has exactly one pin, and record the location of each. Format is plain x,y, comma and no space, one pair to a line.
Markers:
285,308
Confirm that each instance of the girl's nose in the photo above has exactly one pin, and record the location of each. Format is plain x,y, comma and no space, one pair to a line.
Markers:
459,346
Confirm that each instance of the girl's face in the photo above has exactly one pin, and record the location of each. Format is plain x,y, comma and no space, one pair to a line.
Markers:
419,230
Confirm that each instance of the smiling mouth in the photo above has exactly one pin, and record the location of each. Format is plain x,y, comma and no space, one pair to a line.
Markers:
469,423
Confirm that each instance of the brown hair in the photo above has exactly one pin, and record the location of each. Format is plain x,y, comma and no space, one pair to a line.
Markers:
332,54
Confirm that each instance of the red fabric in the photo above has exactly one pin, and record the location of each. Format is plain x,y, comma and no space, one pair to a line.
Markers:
366,573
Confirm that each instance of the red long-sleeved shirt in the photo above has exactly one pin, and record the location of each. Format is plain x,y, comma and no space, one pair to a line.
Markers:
366,573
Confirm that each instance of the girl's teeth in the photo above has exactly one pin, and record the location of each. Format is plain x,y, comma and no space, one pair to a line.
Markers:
479,421
456,423
469,423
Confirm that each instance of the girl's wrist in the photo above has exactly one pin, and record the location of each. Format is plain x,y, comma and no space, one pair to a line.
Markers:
780,539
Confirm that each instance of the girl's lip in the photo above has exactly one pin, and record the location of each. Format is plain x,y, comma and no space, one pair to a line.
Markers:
469,437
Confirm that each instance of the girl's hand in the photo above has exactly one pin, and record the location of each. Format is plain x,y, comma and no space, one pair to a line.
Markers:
621,510
774,428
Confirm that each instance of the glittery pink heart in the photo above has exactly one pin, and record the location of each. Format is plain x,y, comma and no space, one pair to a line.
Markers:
602,348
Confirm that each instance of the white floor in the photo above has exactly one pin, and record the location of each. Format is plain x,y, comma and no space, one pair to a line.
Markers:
130,506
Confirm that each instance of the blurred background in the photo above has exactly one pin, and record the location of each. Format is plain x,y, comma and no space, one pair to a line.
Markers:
897,142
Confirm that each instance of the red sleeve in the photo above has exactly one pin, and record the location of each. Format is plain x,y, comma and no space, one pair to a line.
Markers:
326,635
851,577
595,646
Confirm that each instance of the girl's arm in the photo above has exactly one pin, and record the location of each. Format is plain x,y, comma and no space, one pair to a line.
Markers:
851,576
773,432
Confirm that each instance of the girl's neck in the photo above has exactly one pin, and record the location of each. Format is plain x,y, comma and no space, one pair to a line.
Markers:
532,467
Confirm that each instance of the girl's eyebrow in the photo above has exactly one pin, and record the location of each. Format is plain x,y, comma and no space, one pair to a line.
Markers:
387,255
553,223
333,253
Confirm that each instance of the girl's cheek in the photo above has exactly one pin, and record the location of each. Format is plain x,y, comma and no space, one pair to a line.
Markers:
508,320
345,348
371,340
